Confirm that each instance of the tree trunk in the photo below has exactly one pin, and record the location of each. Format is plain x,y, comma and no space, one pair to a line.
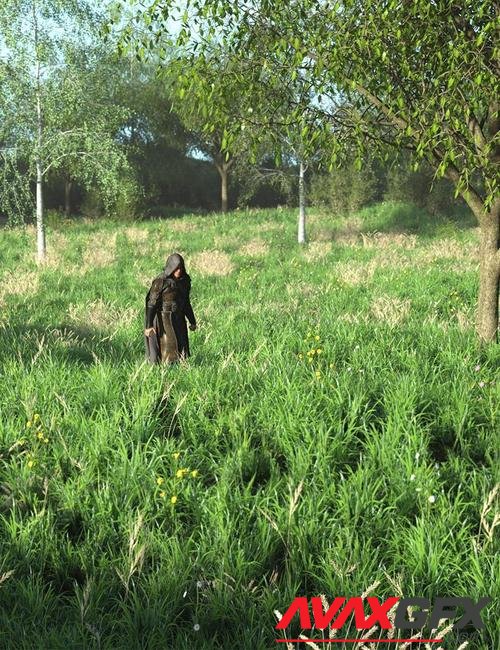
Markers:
40,228
67,197
302,205
489,274
223,176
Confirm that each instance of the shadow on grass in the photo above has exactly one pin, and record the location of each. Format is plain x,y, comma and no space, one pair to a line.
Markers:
65,343
167,415
408,218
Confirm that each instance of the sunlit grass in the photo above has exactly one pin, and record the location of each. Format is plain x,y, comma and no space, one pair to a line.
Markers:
337,425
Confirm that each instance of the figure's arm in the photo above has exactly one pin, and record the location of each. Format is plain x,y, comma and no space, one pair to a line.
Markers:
189,310
190,315
152,303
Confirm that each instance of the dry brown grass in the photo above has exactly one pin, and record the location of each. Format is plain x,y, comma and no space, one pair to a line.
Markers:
317,250
101,315
181,225
352,319
315,218
448,249
270,226
212,262
161,248
323,234
390,309
136,235
254,248
355,273
99,252
56,244
18,284
144,280
388,240
226,241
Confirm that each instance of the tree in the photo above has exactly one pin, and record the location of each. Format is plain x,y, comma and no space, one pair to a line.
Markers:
218,133
53,117
415,74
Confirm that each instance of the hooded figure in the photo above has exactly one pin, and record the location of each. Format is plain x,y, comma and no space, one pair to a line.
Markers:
166,309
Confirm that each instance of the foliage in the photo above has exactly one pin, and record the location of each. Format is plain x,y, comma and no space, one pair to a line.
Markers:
16,199
266,184
345,190
420,187
53,70
428,84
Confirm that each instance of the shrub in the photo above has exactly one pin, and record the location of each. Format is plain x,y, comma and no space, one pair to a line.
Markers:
436,195
345,190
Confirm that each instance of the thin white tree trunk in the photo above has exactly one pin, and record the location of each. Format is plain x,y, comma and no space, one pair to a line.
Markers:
302,205
224,200
40,228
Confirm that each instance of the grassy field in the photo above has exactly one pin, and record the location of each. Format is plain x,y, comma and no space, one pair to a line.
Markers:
335,431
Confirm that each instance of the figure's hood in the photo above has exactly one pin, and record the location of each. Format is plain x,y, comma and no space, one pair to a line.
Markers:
174,261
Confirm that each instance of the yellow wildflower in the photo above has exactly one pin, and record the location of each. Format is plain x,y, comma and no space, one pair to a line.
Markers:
300,355
36,417
194,473
162,494
159,480
30,463
173,500
181,473
46,440
318,374
40,435
29,424
176,455
319,351
316,337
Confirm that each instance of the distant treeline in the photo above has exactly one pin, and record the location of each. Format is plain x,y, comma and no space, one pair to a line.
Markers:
167,179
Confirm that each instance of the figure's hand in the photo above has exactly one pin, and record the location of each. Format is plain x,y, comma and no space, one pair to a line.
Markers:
149,331
193,327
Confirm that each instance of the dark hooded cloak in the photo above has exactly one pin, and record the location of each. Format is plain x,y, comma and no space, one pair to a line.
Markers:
167,307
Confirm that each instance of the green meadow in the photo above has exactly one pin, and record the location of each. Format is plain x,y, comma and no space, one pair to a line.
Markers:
335,431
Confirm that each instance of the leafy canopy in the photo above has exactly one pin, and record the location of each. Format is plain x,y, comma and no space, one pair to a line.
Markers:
417,74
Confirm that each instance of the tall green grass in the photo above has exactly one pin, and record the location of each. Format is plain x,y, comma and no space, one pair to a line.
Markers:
304,473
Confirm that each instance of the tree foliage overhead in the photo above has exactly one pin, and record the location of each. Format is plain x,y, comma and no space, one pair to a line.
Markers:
416,73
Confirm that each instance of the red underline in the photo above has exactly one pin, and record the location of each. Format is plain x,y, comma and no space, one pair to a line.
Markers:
359,640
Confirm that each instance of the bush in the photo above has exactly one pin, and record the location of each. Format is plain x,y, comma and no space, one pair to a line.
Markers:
436,195
345,190
123,204
55,218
